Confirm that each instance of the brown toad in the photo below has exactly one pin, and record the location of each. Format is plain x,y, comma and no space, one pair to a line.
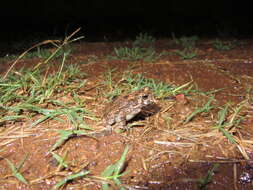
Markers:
125,108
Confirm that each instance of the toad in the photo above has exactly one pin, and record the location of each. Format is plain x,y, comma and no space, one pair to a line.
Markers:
125,108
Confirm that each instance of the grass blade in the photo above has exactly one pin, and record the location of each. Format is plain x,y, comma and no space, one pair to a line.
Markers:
65,135
222,124
205,108
60,160
114,171
208,178
70,178
119,165
15,171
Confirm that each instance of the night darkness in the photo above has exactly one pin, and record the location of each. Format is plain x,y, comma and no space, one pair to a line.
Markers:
122,19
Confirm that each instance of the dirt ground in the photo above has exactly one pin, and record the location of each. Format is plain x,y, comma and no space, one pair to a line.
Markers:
162,154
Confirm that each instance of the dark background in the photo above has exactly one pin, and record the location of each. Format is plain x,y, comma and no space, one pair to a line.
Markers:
118,19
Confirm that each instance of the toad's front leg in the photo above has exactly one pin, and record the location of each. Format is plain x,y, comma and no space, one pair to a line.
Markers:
121,125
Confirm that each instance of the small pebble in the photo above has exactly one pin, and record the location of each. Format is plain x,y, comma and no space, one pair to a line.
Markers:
245,177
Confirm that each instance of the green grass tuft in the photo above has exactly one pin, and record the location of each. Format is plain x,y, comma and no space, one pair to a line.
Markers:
206,108
186,42
222,124
16,170
135,54
186,54
144,39
114,172
160,89
223,46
